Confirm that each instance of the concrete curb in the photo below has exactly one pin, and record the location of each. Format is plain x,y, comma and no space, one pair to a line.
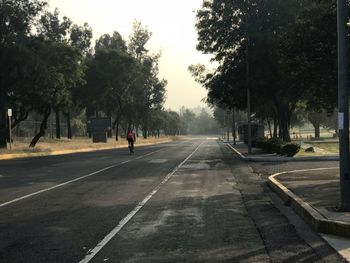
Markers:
9,156
283,159
317,221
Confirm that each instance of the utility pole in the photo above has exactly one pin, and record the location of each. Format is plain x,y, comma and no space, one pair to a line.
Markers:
343,115
9,114
234,126
224,125
248,88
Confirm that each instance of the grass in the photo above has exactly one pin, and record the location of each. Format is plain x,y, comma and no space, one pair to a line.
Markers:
332,147
303,153
48,146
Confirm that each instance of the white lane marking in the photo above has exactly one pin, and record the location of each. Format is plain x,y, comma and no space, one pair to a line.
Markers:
76,179
92,252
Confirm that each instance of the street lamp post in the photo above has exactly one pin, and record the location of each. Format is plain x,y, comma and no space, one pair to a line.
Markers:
343,115
248,89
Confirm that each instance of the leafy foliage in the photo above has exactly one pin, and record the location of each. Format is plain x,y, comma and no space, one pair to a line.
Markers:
284,51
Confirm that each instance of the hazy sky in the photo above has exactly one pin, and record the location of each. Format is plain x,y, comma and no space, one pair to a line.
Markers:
173,33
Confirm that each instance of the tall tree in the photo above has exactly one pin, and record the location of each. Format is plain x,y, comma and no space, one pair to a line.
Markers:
16,20
80,39
261,44
51,28
109,77
152,90
60,69
107,41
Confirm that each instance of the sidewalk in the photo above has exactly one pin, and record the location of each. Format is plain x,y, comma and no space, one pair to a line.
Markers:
314,195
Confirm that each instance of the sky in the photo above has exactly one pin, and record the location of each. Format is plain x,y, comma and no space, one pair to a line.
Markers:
173,33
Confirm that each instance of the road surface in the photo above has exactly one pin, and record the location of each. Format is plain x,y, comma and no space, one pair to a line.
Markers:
185,201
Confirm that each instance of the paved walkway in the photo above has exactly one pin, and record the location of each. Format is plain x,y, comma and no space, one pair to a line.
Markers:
314,194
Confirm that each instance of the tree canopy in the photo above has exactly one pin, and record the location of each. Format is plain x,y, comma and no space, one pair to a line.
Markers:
284,51
55,69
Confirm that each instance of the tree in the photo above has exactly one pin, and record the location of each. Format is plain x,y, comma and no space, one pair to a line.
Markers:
109,77
152,92
311,46
227,29
187,117
107,41
138,41
51,28
59,69
16,20
80,39
172,123
274,47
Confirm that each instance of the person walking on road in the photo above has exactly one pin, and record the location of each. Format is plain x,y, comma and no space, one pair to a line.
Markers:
131,138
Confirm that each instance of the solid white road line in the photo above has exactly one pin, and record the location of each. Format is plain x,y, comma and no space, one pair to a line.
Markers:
74,180
92,253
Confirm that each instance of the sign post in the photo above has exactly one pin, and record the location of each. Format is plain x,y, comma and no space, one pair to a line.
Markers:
9,114
343,115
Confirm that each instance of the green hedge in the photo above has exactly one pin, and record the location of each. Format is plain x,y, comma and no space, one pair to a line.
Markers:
276,145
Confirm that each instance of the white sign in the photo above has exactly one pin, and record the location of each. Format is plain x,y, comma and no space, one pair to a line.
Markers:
9,112
341,120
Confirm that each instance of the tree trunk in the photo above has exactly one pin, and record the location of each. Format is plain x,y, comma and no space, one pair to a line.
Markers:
3,128
269,125
109,132
275,127
69,126
284,120
3,118
117,131
234,127
58,126
42,129
17,121
317,129
114,127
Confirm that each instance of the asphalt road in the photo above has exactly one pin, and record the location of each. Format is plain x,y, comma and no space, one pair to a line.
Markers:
186,201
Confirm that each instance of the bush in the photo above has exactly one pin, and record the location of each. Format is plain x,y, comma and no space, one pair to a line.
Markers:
290,149
259,142
274,145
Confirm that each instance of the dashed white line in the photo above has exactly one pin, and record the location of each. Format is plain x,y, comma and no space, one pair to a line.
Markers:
93,252
74,180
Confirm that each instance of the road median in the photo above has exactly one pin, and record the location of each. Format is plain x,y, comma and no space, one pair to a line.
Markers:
316,210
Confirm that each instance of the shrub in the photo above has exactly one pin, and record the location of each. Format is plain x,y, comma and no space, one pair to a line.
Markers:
290,149
274,145
259,142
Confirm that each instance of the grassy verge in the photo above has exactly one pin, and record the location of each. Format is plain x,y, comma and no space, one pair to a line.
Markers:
303,153
332,147
20,147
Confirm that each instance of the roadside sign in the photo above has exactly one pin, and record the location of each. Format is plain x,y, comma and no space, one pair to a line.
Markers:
99,124
9,114
341,120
